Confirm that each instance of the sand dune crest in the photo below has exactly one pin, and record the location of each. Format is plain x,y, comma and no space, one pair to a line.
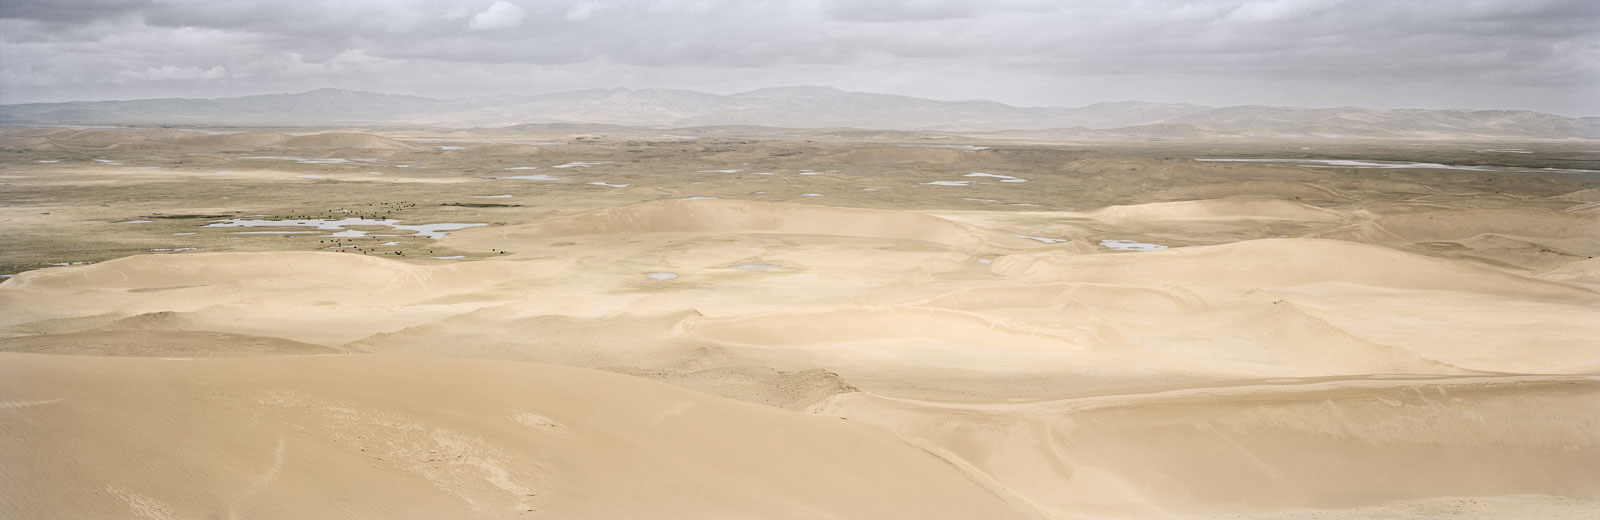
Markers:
1285,262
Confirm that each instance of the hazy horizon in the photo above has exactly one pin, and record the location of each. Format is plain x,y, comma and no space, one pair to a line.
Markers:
735,92
1429,55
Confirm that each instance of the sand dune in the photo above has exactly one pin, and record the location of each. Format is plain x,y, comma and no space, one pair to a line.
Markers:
734,216
1260,189
288,437
1216,209
1259,334
248,293
882,327
155,273
1241,449
344,140
1586,195
1286,262
165,343
904,155
1311,343
88,139
239,141
1425,226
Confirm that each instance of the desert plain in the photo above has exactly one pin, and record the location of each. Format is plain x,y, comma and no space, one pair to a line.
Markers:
553,321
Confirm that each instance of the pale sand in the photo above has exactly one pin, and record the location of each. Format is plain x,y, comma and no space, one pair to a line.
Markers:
1357,345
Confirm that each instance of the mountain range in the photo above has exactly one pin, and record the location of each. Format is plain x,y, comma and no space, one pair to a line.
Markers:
808,107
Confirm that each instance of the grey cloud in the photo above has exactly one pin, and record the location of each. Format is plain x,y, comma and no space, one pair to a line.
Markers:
900,10
499,15
74,11
1542,54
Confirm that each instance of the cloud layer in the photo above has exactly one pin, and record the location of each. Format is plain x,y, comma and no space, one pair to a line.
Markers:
1526,54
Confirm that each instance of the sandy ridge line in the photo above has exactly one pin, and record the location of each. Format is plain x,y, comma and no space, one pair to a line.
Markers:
1297,390
979,477
12,405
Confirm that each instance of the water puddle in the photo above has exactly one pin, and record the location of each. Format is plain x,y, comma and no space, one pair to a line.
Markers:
599,183
755,266
490,196
304,160
1130,245
433,231
948,183
1046,240
962,147
272,232
1003,178
661,276
697,198
1346,163
719,171
579,164
539,177
135,222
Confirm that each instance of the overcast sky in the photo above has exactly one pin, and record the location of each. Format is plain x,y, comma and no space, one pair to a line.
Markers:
1516,54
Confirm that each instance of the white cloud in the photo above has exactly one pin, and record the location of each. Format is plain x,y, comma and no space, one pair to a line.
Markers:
293,64
172,72
499,15
585,10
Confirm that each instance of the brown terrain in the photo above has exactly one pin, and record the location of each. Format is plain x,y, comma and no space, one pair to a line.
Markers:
570,322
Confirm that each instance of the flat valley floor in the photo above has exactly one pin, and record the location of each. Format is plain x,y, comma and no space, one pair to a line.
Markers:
757,323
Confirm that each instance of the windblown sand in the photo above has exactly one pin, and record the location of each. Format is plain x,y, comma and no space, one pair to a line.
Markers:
812,326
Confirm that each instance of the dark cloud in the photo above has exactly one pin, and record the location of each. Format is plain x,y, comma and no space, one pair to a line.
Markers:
1538,54
68,11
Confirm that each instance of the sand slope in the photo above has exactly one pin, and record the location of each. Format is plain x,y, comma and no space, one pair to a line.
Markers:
1313,343
388,437
344,140
736,216
1287,262
1242,449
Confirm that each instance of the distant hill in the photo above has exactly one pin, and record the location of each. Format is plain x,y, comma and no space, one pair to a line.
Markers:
306,108
810,107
